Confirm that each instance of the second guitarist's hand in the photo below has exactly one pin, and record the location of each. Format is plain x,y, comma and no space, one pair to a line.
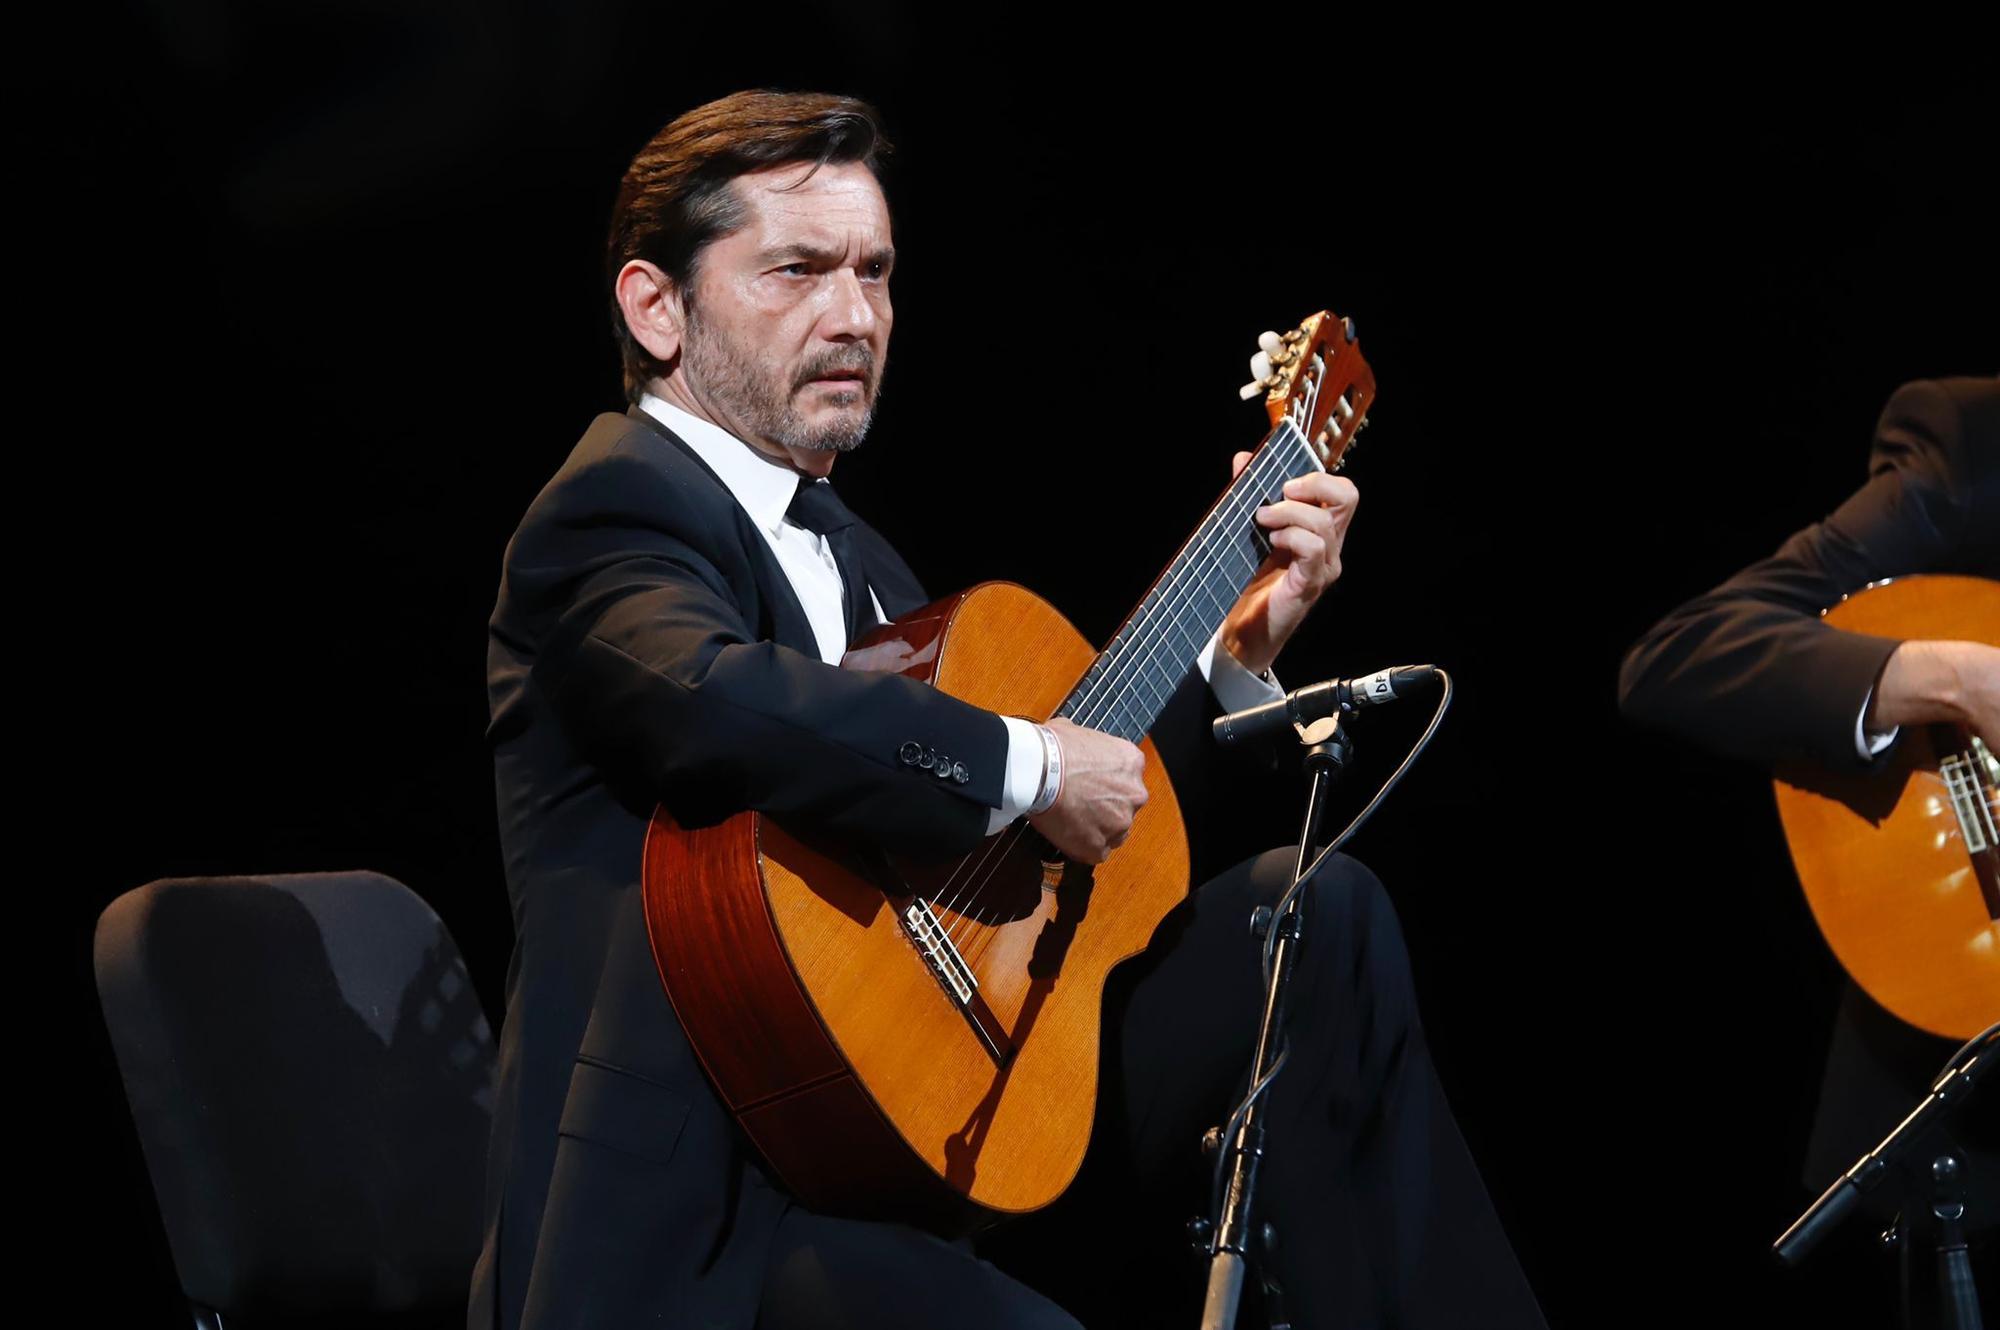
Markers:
1956,682
1307,528
1103,788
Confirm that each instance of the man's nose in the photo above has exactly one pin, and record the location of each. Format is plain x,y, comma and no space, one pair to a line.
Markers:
849,311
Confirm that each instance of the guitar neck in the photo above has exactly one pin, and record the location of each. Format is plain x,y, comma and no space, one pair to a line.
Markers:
1127,686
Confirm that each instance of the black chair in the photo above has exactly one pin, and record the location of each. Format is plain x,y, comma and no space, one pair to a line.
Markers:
312,1080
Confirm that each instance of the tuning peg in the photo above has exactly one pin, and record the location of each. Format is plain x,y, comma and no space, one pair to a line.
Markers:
1260,366
1250,390
1270,343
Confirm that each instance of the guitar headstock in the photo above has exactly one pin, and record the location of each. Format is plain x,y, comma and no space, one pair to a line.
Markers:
1315,376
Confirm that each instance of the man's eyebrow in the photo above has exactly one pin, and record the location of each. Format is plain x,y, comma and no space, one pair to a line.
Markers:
886,255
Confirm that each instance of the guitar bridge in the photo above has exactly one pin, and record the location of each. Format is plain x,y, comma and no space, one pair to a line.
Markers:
933,942
1966,780
935,945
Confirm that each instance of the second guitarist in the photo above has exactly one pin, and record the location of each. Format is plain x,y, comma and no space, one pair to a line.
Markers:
1749,670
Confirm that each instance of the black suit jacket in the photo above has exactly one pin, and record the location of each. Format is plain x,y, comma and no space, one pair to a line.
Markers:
647,648
1748,669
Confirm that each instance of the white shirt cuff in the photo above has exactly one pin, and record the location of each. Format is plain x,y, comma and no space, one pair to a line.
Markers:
1865,743
1234,686
1024,773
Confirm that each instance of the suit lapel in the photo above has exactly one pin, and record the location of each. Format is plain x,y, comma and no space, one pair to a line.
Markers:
788,625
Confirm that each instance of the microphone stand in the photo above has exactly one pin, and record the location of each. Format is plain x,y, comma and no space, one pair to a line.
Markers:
1226,1236
1899,1161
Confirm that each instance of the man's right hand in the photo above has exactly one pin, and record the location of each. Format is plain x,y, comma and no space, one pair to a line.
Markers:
1940,681
1103,788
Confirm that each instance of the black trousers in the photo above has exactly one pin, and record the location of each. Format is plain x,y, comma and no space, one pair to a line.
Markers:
1381,1217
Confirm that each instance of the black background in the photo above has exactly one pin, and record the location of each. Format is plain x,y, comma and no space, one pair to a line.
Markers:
324,310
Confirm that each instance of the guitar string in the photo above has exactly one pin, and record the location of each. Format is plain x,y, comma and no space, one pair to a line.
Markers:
1189,568
1965,777
1202,584
1165,603
1198,581
1095,704
1250,502
1309,405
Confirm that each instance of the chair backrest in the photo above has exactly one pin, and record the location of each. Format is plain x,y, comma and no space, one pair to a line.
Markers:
311,1076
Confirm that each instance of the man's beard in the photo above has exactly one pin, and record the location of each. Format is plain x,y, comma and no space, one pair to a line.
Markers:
756,396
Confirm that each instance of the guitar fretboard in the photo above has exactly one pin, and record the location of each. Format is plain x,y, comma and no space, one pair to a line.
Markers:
1126,687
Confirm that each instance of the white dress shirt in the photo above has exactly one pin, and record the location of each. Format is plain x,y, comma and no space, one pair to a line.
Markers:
765,488
1865,743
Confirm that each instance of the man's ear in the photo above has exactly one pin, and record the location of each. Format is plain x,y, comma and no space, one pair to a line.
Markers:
653,309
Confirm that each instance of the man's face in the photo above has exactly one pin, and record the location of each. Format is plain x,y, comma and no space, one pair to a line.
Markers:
788,333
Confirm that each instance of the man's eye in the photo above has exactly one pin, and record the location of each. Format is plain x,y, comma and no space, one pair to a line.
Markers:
799,269
877,271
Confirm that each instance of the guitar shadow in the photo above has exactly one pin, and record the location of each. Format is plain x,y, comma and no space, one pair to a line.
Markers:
1873,793
1052,944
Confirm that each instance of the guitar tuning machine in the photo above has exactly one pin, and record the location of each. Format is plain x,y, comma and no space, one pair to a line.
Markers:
1274,350
1278,350
1262,376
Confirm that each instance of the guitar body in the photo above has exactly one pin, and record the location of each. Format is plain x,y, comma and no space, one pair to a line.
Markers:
1902,875
799,976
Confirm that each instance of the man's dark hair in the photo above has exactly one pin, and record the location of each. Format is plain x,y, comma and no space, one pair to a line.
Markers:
676,195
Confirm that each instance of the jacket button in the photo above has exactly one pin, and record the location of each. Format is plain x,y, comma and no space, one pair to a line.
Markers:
928,760
959,773
910,752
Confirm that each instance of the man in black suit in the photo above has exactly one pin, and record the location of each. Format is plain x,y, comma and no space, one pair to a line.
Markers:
1748,669
671,614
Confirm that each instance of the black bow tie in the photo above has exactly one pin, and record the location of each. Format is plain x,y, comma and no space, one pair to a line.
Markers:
817,508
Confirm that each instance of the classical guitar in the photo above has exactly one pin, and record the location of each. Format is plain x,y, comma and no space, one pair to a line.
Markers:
1902,865
917,1039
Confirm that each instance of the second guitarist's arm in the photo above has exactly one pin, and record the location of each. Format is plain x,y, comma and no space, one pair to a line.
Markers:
1748,668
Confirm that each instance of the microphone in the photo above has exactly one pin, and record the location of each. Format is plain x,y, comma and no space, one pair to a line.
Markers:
1303,706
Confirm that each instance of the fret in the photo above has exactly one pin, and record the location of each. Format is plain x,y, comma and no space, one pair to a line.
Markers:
1127,686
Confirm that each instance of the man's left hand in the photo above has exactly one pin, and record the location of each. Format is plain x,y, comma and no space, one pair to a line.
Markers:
1308,527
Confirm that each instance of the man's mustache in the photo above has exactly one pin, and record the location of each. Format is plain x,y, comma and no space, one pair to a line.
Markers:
864,365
